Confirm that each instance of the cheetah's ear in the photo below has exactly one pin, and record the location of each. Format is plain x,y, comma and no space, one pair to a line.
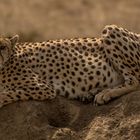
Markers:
14,39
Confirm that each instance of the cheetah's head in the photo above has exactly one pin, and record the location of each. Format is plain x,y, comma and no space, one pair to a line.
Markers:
6,48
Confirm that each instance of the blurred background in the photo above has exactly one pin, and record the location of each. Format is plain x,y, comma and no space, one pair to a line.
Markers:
38,20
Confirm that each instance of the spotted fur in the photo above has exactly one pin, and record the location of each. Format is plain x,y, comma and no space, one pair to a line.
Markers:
81,68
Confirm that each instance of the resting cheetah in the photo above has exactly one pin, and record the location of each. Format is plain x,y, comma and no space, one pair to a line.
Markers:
106,68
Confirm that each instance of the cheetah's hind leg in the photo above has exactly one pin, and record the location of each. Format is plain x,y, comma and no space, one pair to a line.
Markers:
130,85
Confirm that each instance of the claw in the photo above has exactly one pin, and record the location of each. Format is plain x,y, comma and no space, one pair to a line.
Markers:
87,99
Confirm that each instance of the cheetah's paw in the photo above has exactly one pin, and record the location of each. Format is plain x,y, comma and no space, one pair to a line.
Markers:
103,97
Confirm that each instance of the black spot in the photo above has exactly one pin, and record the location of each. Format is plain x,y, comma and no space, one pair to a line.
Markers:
66,94
111,80
109,28
73,91
67,66
125,39
72,44
89,44
126,55
56,57
85,69
131,47
74,58
116,56
50,64
80,56
104,31
89,58
43,44
124,33
58,70
15,78
125,48
112,36
77,64
104,79
119,43
44,66
100,63
92,50
101,49
97,84
9,80
83,89
84,47
68,60
86,53
58,44
66,43
39,97
64,74
108,73
90,87
90,77
3,81
57,77
95,44
108,51
49,71
18,96
83,61
81,73
36,88
50,77
67,81
40,92
73,73
93,66
98,72
43,50
73,83
62,59
79,79
134,44
95,55
132,54
57,91
62,88
30,98
122,66
90,63
26,94
136,70
117,29
107,42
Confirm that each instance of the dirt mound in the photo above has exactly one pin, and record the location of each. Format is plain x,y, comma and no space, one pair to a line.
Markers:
61,119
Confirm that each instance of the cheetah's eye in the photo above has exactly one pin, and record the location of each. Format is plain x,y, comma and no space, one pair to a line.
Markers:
2,47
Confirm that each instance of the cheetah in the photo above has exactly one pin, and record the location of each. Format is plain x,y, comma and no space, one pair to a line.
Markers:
98,69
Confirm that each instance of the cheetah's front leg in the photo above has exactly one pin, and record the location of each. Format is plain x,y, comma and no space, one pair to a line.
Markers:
41,92
32,87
